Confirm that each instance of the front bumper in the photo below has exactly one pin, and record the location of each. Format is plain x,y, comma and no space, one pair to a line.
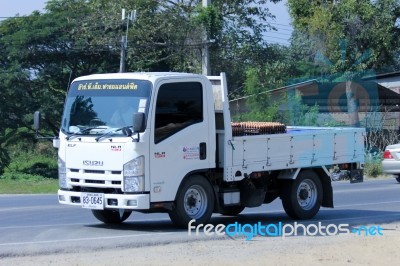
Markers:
112,201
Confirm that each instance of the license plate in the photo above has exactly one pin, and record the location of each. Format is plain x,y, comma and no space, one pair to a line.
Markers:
92,201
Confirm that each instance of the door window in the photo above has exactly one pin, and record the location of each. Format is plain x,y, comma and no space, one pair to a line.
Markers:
178,106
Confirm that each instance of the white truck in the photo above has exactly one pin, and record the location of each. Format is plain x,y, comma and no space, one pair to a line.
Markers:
164,142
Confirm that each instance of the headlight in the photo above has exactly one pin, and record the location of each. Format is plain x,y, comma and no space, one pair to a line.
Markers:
62,174
133,183
134,175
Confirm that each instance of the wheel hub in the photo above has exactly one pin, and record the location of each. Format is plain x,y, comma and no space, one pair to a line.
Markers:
303,194
191,202
195,201
306,194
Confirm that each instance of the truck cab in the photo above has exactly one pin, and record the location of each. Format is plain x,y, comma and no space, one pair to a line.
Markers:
106,167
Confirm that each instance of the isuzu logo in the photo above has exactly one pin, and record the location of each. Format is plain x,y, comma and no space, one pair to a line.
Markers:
92,163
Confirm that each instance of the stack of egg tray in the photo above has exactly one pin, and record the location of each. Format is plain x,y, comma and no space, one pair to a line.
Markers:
257,128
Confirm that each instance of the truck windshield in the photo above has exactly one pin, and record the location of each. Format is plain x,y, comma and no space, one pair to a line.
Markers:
95,107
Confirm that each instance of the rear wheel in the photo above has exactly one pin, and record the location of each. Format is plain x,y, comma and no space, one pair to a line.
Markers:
111,216
302,197
195,200
398,178
231,210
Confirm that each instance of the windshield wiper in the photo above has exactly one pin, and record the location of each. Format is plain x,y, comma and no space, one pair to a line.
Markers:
83,131
71,135
109,133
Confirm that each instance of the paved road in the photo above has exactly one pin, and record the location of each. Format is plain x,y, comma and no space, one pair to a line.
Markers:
37,224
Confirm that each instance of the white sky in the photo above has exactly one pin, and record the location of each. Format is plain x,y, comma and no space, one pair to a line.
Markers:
10,8
281,23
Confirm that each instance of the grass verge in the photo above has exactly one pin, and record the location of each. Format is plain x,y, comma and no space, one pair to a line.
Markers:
23,186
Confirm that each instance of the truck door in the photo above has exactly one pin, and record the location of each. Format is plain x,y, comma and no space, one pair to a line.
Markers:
180,137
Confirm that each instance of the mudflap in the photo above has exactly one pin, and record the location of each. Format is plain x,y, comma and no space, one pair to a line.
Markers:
327,199
356,176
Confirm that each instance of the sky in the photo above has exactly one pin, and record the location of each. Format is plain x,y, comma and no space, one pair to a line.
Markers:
281,23
10,8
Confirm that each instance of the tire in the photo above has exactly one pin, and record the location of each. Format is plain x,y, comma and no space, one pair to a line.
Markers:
195,200
302,197
398,178
111,216
231,210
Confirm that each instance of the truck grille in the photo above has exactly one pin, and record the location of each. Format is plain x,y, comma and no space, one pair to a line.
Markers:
95,181
94,172
94,178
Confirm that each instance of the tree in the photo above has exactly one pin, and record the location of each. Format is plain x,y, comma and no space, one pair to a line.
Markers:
41,53
351,37
258,100
45,51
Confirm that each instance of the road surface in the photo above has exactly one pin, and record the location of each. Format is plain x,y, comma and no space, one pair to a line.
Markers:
38,225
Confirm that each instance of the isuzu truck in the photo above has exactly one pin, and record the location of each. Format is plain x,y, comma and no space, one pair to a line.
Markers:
165,142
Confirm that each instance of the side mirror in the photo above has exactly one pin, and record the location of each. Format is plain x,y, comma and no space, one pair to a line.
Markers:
36,127
138,122
36,120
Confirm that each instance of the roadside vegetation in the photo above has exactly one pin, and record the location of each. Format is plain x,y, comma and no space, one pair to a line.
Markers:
32,168
29,186
332,41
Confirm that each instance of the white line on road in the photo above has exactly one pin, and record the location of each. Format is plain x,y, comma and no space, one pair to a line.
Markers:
366,204
83,239
73,224
336,207
29,208
362,217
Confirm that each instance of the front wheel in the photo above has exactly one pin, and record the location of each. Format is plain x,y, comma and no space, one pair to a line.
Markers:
111,216
302,197
398,178
195,200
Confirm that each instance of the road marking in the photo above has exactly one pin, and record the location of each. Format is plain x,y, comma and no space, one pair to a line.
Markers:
37,207
83,239
361,190
366,204
339,206
40,226
74,224
362,217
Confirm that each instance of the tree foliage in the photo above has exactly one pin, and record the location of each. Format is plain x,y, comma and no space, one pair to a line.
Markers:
347,39
260,103
42,52
349,35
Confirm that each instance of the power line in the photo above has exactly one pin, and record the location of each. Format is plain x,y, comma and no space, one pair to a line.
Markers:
279,33
276,42
284,25
273,37
283,29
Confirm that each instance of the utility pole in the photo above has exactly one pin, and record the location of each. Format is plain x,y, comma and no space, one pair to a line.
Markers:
205,56
124,40
123,55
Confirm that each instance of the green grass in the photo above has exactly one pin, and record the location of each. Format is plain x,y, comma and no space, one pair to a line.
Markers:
373,168
23,186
